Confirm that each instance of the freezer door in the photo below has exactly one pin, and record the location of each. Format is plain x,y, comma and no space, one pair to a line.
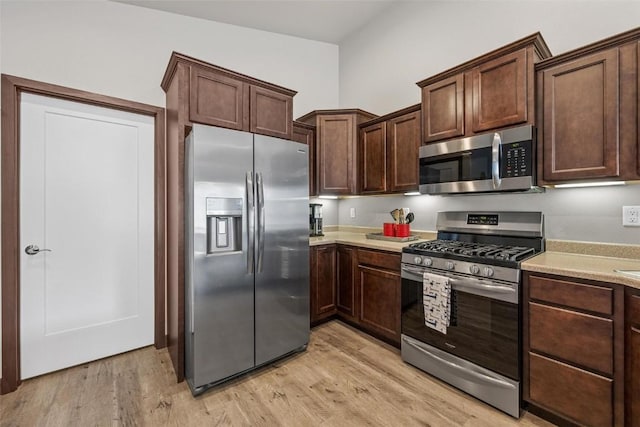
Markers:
282,247
219,321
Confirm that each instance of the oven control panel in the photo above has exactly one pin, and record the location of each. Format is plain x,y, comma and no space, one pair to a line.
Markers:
424,264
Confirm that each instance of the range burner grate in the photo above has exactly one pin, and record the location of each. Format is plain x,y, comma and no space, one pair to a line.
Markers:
475,250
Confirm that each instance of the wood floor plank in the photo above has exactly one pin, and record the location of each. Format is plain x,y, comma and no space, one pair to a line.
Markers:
344,378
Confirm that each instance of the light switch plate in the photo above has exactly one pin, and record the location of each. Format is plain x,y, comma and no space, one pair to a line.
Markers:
631,216
352,212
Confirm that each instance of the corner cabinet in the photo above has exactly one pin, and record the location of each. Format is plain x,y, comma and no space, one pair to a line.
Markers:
493,91
388,152
199,92
347,291
573,357
588,112
306,134
336,148
323,282
358,286
632,357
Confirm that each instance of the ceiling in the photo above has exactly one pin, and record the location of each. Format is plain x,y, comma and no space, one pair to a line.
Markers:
323,20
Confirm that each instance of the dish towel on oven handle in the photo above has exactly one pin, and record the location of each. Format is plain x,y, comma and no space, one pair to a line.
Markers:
436,298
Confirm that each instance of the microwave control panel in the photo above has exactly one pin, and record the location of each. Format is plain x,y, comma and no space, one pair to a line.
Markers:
516,159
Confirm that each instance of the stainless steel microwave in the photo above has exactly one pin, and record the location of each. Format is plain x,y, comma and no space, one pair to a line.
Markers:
492,162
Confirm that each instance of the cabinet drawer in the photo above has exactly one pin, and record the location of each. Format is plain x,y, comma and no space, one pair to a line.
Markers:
578,394
572,294
384,260
576,337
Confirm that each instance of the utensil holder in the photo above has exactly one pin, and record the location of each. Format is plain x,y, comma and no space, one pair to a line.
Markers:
389,229
403,230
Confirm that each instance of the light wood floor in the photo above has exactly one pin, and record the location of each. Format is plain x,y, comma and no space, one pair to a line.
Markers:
345,378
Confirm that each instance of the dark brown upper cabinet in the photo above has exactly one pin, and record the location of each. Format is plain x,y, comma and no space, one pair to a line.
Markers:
388,152
373,158
588,112
220,97
336,148
500,92
444,101
403,144
306,134
493,91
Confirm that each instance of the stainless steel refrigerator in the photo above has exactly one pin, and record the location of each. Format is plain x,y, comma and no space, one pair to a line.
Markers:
247,252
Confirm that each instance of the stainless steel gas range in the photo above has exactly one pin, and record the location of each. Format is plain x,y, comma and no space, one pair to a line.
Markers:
478,255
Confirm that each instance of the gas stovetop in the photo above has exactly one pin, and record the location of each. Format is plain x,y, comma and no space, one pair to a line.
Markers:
480,243
476,251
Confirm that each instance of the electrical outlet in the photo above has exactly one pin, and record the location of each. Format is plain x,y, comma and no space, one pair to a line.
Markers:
631,216
352,212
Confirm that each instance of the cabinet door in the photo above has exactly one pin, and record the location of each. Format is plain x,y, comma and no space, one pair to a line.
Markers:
336,152
380,302
500,92
323,282
217,100
580,118
373,158
632,356
346,301
443,109
271,113
582,396
306,135
403,144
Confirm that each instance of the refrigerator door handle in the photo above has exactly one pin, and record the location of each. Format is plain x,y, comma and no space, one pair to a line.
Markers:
261,236
250,224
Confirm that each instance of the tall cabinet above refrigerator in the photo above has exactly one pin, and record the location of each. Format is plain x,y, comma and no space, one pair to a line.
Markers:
246,253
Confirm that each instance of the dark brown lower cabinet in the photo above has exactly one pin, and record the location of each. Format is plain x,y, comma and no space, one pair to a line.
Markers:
359,286
632,357
346,287
573,353
322,282
379,284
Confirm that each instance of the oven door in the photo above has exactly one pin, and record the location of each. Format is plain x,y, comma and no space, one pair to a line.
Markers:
485,320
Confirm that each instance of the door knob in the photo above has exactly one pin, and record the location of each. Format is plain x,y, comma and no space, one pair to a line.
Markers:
34,249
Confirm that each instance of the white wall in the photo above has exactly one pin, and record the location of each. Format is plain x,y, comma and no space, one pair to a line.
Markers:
582,214
413,40
122,51
380,63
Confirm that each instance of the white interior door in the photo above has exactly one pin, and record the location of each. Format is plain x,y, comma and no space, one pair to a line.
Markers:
86,194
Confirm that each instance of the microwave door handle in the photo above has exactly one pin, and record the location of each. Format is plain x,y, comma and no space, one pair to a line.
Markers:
495,161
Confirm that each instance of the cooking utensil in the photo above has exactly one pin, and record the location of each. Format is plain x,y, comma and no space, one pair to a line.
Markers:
410,217
395,214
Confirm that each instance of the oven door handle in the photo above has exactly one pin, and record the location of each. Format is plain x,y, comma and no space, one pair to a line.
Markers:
471,374
499,289
413,270
461,283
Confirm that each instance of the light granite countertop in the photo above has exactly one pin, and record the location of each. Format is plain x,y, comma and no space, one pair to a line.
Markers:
580,260
581,266
357,236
